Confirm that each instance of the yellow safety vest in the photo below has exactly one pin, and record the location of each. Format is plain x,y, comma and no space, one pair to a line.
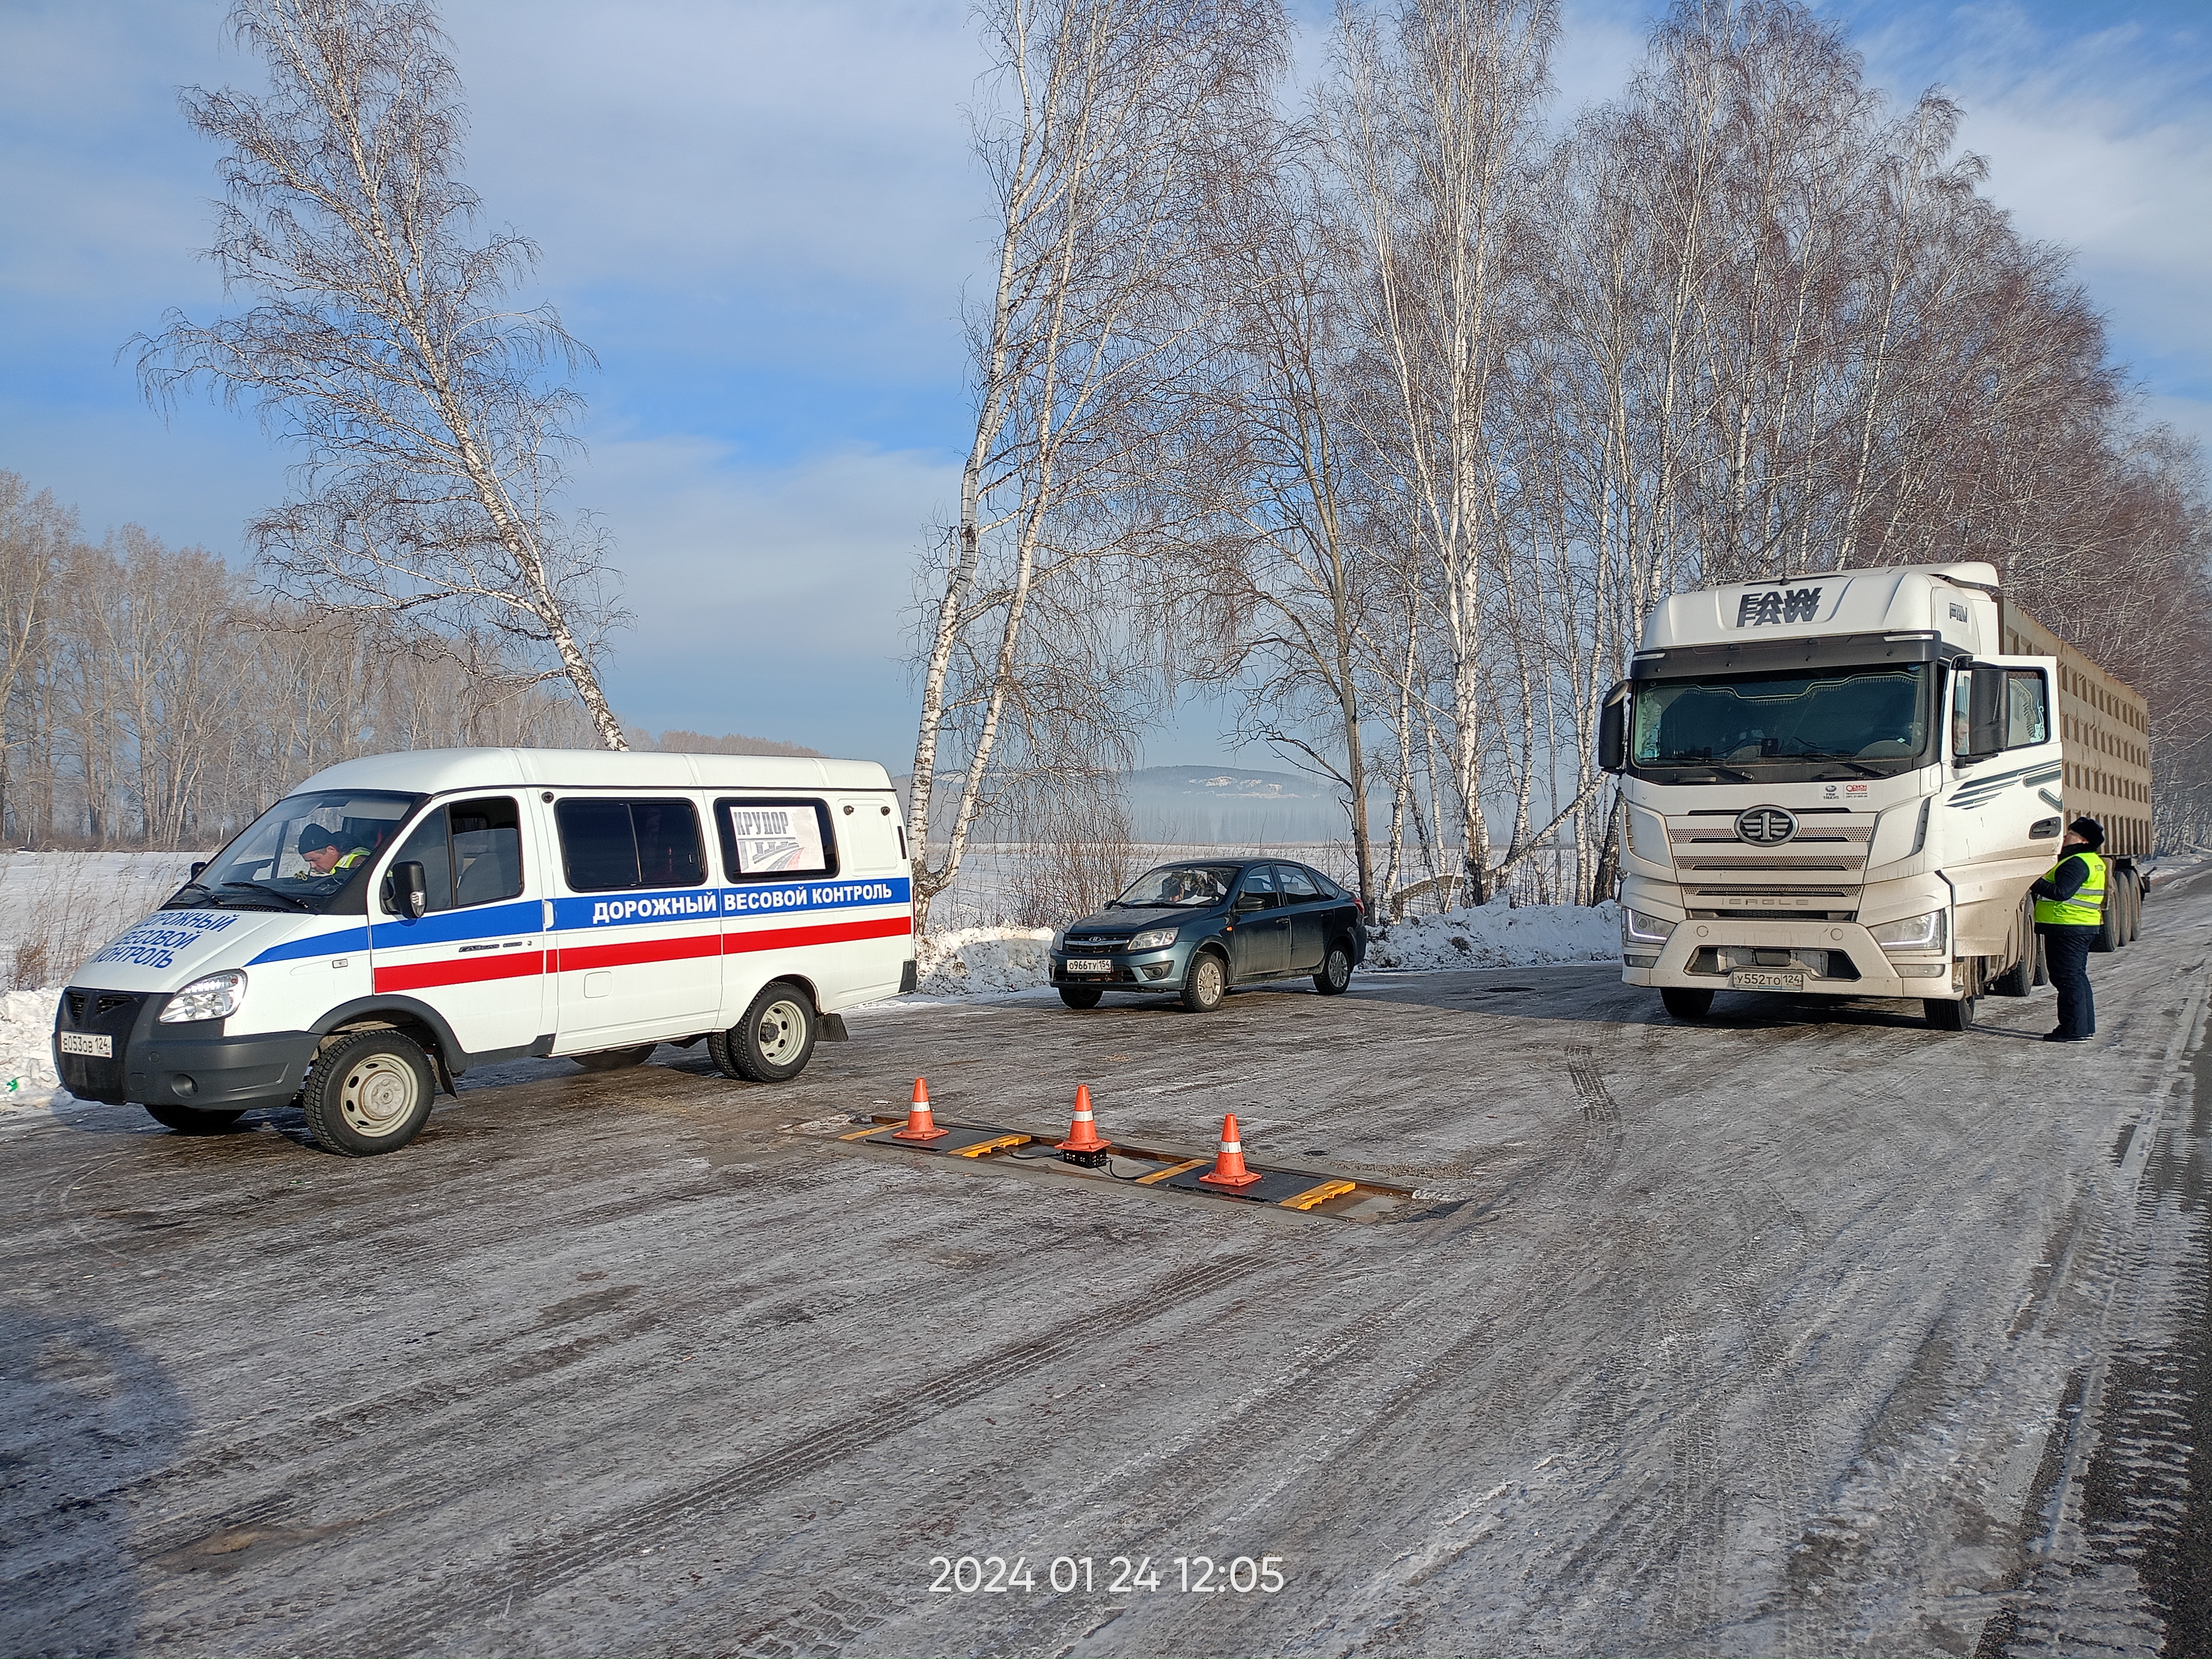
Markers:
2087,907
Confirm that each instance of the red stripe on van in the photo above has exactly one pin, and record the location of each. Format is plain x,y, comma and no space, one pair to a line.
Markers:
832,932
571,958
464,971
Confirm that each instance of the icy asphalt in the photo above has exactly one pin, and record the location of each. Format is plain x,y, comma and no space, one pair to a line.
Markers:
1806,1331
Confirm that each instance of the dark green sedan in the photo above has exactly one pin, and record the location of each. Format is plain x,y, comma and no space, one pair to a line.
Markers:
1196,930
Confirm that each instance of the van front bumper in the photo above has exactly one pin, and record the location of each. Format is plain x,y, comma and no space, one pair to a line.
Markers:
192,1066
1837,959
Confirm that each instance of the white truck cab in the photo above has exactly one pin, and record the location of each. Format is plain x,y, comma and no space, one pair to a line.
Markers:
1837,784
399,920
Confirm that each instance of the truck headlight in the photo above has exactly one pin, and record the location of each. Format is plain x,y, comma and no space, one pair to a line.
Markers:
1645,929
212,996
1912,933
1153,939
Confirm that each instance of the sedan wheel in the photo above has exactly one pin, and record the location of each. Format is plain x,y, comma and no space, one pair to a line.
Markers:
1080,996
1335,976
1206,984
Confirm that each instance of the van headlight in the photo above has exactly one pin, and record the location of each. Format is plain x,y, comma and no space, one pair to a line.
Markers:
1914,934
1153,939
211,997
1645,929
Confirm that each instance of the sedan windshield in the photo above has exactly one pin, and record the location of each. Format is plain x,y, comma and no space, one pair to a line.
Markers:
1171,885
1793,725
301,853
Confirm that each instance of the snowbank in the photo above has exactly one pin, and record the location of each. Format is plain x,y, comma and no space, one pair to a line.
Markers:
984,961
1498,937
27,1054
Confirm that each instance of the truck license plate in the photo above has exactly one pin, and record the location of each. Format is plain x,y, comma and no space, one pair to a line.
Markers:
100,1046
1089,965
1766,979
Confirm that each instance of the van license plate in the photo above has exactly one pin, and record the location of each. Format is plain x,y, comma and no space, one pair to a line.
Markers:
1089,965
1766,979
100,1046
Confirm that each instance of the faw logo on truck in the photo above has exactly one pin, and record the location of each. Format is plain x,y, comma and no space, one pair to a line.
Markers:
1777,605
1765,826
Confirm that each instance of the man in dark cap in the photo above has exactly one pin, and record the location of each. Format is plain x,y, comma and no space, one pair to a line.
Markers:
2070,909
324,851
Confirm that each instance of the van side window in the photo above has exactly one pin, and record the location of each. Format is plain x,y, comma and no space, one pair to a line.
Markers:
609,845
470,851
776,840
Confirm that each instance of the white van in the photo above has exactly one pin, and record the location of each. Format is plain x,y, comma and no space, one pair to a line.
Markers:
401,919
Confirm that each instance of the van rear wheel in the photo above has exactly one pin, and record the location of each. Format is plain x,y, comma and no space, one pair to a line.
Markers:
369,1092
775,1040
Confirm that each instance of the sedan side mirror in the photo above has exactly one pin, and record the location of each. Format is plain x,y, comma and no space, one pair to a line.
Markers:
406,889
1249,903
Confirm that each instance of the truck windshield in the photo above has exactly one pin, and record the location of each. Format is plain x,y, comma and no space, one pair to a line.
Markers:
1791,726
307,853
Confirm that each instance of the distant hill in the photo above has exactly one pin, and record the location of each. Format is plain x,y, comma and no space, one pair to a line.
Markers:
1227,805
679,741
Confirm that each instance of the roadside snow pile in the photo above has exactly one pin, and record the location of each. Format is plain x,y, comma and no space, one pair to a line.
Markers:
1497,937
984,961
26,1057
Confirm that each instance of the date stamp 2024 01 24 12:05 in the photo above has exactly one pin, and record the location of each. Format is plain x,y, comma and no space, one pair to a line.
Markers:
1120,1575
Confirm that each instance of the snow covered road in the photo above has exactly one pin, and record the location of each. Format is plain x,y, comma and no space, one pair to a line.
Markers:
1805,1330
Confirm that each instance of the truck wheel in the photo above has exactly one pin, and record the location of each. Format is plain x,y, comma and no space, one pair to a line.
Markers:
1684,1003
1080,996
2017,980
2042,965
775,1040
615,1059
186,1121
1950,1016
1206,984
1335,976
369,1092
2135,907
2108,925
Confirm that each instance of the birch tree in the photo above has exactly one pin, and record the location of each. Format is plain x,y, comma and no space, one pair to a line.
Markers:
1105,159
429,409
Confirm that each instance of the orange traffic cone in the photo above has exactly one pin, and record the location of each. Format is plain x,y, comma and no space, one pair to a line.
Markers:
920,1126
1082,1145
1229,1168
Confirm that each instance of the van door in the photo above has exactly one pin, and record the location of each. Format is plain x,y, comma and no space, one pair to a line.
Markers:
638,936
477,952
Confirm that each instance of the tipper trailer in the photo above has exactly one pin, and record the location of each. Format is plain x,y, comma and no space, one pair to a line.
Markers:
1845,784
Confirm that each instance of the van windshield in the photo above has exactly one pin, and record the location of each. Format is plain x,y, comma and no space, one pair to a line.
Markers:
307,853
1791,726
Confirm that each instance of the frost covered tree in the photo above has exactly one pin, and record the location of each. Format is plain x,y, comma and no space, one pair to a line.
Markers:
429,407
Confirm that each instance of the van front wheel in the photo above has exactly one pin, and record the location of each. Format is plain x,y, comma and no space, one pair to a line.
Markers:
369,1092
775,1040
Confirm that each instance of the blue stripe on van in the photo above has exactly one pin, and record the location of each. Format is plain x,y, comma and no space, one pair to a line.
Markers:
316,945
448,926
631,909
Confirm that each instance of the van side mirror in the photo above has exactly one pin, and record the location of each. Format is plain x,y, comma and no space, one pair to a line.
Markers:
406,890
199,868
1613,730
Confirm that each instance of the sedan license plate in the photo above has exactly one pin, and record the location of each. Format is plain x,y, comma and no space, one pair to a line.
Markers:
1089,965
100,1046
1766,979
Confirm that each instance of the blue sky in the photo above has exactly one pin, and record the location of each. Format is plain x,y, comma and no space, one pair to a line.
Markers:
762,217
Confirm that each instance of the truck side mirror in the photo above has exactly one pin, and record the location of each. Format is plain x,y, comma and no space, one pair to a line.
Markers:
1613,731
406,890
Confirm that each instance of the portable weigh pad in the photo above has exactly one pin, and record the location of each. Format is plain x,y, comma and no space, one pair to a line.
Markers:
957,1140
1274,1186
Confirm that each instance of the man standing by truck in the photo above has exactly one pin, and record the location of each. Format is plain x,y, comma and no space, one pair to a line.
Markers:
2070,909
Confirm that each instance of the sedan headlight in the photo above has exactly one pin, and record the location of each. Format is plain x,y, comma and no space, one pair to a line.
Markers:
212,996
1153,939
1645,929
1912,933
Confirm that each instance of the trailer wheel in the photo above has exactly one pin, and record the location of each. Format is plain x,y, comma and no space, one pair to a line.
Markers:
1950,1016
1686,1003
186,1121
369,1092
775,1040
2135,907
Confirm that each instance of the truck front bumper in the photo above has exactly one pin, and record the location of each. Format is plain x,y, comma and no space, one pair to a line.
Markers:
1837,959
